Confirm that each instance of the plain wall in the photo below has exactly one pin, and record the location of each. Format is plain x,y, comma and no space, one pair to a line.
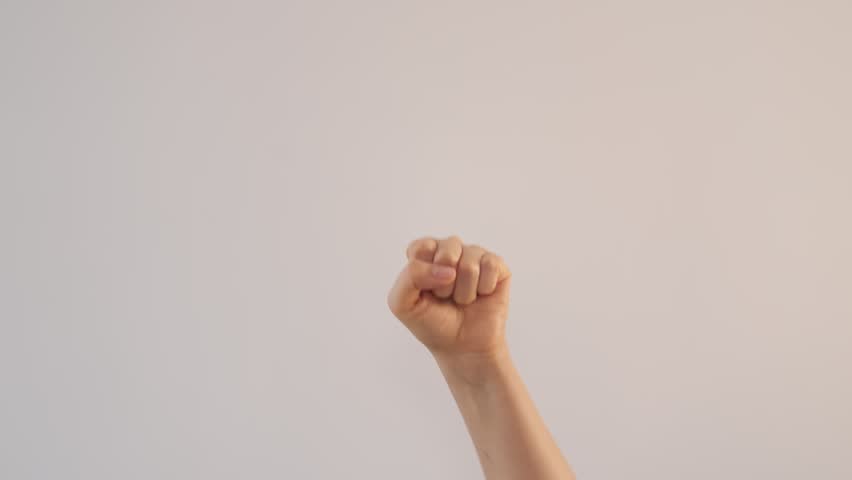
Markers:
204,204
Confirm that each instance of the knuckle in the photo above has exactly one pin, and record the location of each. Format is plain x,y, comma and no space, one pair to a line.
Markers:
412,270
501,262
392,305
418,245
447,256
474,252
468,268
491,261
412,245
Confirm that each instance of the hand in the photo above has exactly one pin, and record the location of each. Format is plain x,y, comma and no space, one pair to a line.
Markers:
453,297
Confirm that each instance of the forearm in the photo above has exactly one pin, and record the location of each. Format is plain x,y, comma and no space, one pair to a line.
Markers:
510,437
455,299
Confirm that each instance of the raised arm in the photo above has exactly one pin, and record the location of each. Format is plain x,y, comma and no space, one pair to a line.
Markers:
455,299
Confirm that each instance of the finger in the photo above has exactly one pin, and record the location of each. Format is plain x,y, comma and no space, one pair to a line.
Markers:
501,292
491,267
422,249
416,277
448,253
467,275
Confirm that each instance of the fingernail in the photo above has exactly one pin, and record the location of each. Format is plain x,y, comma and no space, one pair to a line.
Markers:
442,271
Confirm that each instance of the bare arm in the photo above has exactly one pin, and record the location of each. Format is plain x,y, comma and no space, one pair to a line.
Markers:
511,439
459,313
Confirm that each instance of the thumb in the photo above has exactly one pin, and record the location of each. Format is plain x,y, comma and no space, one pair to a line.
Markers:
414,278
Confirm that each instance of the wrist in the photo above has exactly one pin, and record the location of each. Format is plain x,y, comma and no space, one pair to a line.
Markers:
474,368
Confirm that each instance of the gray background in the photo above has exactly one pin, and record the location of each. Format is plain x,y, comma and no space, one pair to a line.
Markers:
203,206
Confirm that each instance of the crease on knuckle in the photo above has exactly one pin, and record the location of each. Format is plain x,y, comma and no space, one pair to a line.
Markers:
469,269
491,261
418,245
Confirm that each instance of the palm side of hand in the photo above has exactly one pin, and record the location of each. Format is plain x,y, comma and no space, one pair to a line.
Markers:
446,326
463,311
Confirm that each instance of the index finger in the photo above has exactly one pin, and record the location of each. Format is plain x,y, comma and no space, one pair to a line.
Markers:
422,249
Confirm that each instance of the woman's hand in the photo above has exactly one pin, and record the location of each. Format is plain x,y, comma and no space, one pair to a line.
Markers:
453,297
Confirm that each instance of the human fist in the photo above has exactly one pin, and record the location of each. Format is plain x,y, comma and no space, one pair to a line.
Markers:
453,297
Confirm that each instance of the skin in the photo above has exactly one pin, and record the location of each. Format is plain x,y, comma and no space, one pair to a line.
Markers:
455,299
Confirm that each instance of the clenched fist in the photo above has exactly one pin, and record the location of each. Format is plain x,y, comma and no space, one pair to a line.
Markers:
453,297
